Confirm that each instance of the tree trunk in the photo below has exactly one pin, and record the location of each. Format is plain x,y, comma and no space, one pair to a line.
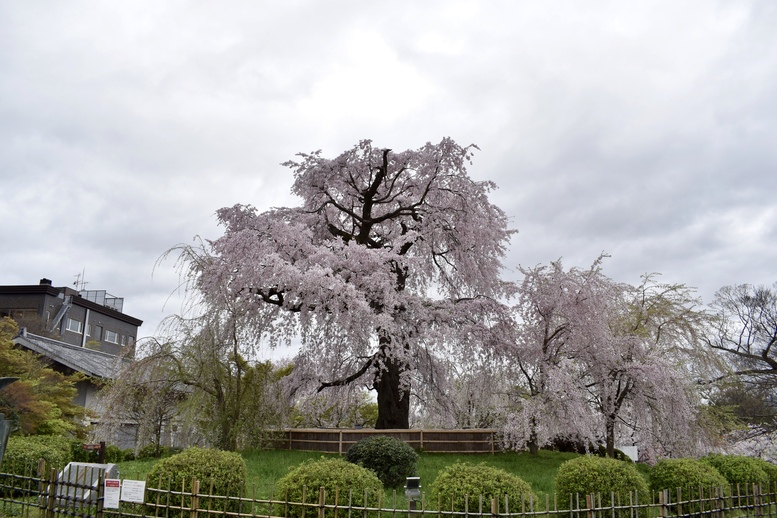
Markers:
532,443
610,436
393,400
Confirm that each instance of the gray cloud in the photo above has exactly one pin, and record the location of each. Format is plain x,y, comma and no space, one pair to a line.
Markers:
642,129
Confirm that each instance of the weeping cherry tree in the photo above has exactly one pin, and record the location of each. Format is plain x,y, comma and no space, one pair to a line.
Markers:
389,258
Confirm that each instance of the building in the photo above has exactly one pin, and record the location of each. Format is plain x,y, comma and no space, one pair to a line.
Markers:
68,359
92,319
78,331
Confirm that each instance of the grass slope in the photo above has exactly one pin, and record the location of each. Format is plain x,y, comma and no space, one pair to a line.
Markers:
265,467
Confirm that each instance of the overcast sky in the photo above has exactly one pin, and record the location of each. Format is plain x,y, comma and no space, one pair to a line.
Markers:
646,129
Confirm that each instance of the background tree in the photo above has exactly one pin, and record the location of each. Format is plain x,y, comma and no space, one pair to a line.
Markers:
745,332
596,359
146,393
386,250
41,402
228,394
637,359
551,404
754,406
200,378
339,407
470,392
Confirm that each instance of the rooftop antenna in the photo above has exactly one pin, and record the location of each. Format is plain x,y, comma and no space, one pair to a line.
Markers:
80,283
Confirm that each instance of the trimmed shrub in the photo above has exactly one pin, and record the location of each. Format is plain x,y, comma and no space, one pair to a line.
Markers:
113,454
338,477
127,454
686,479
686,474
392,460
24,452
219,473
597,475
737,469
461,480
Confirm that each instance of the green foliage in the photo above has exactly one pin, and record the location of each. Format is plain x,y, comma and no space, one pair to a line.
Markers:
462,480
127,455
768,468
41,401
596,475
338,408
738,469
684,478
686,474
391,459
23,453
149,451
338,477
219,473
114,454
750,404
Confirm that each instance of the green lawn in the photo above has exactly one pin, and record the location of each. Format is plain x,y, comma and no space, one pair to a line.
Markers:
265,467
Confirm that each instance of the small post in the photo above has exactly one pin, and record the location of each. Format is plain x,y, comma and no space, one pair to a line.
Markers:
412,492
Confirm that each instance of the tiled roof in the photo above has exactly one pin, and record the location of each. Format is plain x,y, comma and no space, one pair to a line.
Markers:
96,364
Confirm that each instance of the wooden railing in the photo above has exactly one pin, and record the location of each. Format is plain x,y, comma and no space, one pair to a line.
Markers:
31,496
437,441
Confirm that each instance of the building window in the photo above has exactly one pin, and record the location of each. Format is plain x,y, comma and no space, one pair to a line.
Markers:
123,340
112,337
88,329
74,325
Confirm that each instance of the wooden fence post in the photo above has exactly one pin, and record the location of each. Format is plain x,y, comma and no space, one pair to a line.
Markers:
101,475
52,492
322,498
195,498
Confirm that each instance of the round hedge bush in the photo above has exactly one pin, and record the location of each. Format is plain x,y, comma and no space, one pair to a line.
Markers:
684,478
597,475
338,477
737,469
685,474
473,481
219,473
391,459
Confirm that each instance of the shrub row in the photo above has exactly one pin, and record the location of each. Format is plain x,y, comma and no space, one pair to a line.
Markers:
379,462
24,452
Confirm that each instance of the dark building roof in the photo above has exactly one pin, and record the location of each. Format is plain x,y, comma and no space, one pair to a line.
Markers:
48,289
93,363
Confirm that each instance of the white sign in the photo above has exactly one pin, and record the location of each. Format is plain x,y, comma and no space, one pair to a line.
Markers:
112,490
133,491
